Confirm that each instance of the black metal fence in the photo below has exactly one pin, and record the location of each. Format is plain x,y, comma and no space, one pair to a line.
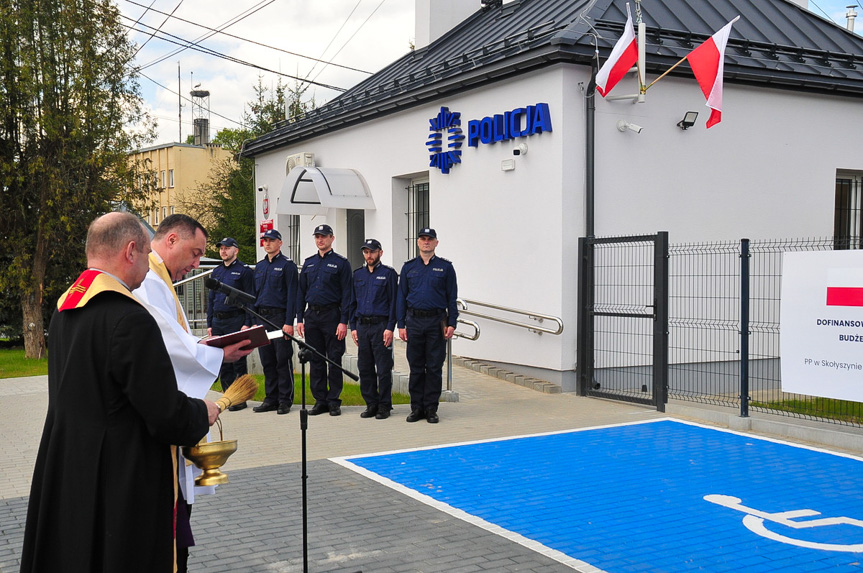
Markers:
724,328
623,318
723,303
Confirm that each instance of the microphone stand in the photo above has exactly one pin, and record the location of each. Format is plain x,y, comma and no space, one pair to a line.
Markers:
305,354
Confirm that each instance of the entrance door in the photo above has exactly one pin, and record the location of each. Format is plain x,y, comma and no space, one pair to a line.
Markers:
352,249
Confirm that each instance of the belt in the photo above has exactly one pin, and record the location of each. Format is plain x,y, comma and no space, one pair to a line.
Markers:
229,314
271,310
371,319
426,313
322,307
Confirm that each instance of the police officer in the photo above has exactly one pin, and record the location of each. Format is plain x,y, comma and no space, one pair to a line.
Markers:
322,318
373,321
276,289
427,314
224,318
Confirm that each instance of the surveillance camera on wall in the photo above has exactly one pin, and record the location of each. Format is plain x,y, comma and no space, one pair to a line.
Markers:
520,150
623,125
262,188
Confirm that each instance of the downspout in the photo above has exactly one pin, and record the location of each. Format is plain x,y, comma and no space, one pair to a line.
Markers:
589,151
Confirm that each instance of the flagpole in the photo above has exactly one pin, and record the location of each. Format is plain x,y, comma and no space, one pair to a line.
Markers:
665,73
640,63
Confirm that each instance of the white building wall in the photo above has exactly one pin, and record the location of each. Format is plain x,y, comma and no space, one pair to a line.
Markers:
766,171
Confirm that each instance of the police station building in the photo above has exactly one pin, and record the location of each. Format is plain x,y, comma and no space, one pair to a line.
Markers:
490,133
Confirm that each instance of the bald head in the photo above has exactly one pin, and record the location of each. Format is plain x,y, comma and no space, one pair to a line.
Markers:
110,233
119,244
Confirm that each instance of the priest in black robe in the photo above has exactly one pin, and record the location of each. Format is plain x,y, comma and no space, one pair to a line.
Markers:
104,485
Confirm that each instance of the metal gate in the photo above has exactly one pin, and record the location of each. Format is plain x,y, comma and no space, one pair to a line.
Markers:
623,318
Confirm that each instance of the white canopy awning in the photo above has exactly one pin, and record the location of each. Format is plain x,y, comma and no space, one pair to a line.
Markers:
313,190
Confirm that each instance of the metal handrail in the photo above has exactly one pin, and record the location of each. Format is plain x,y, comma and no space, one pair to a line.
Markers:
449,348
193,278
470,323
463,304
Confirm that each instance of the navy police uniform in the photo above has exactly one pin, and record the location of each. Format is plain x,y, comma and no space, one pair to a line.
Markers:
226,318
276,288
426,305
374,311
323,303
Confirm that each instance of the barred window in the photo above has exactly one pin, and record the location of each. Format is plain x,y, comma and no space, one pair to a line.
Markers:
291,238
848,212
418,214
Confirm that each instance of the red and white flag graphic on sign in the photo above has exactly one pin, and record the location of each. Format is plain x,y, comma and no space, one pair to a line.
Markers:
708,63
622,58
844,296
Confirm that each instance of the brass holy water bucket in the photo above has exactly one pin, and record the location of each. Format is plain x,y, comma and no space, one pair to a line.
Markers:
210,456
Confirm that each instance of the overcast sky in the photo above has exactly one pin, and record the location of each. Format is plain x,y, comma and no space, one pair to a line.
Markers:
362,34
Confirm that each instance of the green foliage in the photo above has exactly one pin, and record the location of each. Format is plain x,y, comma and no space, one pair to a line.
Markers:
817,407
13,364
350,396
231,186
66,96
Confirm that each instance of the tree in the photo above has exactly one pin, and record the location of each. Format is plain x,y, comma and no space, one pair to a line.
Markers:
65,96
227,199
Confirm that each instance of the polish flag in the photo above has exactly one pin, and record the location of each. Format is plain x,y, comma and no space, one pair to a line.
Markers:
708,63
622,58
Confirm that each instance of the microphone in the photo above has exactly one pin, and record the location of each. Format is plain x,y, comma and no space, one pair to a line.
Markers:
234,295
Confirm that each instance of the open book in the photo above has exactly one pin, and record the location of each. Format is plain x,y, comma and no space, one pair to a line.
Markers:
257,334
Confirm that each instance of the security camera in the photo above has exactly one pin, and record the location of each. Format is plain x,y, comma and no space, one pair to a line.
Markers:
623,125
520,150
260,189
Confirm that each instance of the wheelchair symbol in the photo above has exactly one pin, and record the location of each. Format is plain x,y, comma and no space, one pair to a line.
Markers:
754,522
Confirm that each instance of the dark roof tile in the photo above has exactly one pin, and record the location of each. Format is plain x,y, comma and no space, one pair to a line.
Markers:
775,42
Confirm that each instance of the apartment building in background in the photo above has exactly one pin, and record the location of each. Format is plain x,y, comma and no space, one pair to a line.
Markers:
177,171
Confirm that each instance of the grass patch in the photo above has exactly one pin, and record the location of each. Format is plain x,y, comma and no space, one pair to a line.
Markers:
842,410
350,392
13,364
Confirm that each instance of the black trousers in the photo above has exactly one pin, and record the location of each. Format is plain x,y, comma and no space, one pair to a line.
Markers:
425,352
375,365
230,370
278,365
325,381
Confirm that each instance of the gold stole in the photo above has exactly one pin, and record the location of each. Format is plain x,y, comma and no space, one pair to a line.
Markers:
161,271
90,283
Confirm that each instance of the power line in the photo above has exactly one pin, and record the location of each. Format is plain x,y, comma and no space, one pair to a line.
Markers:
822,11
349,39
143,75
147,41
333,39
166,37
255,42
260,5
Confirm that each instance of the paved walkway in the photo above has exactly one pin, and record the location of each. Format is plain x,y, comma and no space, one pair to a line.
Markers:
354,523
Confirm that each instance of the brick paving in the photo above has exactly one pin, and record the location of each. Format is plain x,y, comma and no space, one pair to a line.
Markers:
355,524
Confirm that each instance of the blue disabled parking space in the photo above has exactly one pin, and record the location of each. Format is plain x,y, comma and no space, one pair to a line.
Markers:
656,496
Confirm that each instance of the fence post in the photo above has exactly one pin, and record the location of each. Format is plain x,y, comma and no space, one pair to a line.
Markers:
744,328
660,321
